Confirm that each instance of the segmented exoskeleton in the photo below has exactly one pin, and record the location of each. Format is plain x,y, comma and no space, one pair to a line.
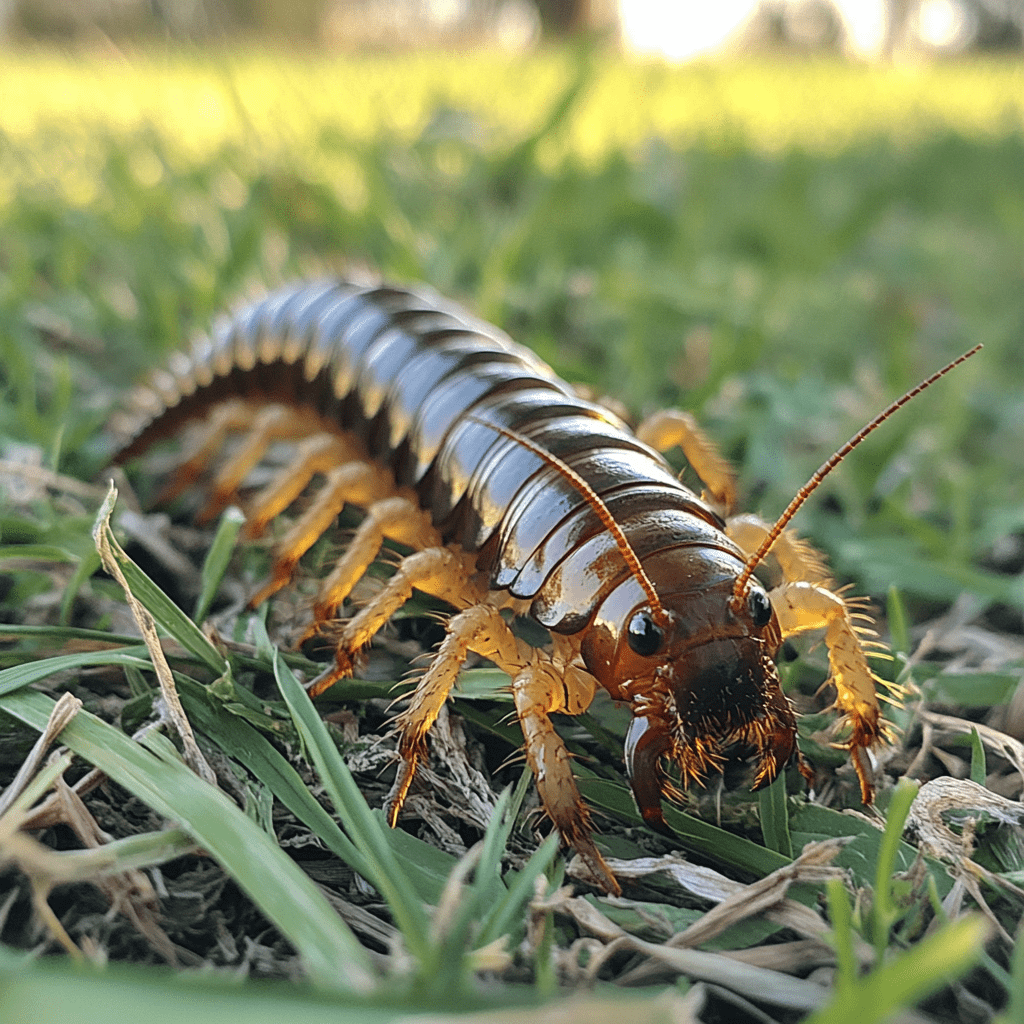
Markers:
514,494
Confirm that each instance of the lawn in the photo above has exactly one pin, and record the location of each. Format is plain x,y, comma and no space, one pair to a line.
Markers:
780,248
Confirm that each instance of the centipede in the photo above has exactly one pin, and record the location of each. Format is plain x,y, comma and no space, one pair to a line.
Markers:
515,497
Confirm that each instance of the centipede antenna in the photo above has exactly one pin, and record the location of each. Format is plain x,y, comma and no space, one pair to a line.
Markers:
826,467
593,499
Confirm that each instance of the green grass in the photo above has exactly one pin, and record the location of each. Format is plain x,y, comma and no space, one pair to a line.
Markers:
781,249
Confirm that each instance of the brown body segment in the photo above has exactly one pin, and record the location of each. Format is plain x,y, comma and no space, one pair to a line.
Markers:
515,494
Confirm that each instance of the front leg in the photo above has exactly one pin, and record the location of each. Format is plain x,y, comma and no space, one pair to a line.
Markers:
805,606
542,684
805,601
538,690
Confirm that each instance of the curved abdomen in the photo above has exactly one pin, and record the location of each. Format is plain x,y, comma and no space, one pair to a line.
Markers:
421,382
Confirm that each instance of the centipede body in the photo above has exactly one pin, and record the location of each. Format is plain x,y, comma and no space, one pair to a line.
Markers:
504,481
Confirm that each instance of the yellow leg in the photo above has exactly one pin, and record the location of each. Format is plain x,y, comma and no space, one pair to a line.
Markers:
671,427
536,691
398,518
540,686
358,482
272,423
317,454
803,606
472,625
797,559
226,418
439,571
805,601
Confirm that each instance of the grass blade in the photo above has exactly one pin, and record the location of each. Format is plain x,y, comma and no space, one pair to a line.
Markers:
287,897
52,992
775,817
902,981
17,676
691,833
238,739
383,869
166,613
885,911
979,770
217,558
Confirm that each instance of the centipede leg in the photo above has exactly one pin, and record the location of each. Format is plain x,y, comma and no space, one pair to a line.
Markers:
357,482
798,560
315,455
805,602
226,418
670,427
272,423
541,686
804,606
439,571
414,722
398,518
551,762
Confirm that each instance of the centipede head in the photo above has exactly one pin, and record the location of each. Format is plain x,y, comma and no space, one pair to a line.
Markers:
699,674
698,661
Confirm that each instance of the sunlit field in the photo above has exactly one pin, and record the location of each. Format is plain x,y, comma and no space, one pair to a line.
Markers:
780,247
282,102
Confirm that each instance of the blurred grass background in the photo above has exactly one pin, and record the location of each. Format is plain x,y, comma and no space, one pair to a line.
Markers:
780,246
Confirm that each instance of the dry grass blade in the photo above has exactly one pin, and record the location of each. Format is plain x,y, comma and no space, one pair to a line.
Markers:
63,711
756,983
109,552
737,903
1006,746
113,867
453,787
938,840
769,893
944,794
46,478
51,811
285,895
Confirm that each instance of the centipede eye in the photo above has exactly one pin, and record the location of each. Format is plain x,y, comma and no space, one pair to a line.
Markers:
644,635
760,608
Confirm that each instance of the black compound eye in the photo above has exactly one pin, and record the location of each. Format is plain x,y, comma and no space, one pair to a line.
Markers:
760,608
644,635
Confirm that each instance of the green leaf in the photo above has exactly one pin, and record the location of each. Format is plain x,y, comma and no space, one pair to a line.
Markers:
55,992
36,552
690,832
861,855
239,740
970,689
908,977
217,558
17,676
978,770
885,911
370,835
843,935
775,817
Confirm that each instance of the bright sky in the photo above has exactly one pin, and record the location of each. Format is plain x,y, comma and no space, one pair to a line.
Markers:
683,29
